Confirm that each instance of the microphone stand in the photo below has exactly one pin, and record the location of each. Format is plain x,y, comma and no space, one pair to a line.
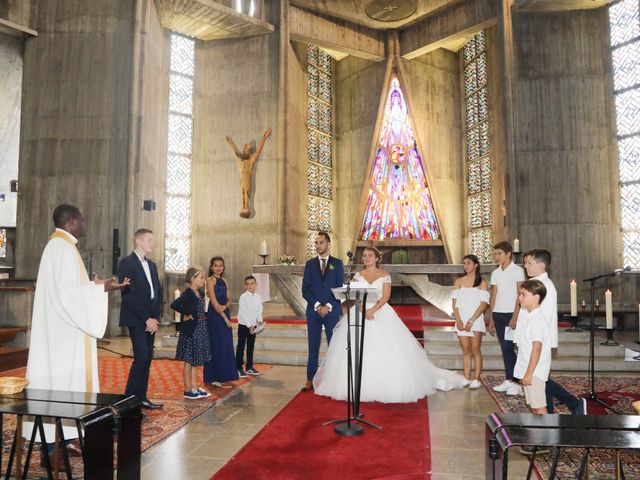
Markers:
592,394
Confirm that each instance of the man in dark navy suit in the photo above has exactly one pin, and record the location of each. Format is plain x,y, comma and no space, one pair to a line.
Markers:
140,311
321,274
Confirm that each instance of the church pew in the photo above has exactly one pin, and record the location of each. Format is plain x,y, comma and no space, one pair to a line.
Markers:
506,430
97,423
126,421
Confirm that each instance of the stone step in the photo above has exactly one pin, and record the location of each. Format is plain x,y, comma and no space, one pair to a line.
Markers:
446,333
569,349
561,363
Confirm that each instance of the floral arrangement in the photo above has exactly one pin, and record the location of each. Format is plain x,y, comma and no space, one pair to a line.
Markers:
287,260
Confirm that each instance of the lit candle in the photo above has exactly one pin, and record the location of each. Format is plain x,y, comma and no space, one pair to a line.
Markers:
597,302
176,315
608,309
516,245
584,304
574,298
263,248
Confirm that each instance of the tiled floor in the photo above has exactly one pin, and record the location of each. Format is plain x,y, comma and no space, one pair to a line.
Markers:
203,446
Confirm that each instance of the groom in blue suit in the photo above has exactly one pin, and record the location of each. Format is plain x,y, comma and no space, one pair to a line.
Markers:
321,274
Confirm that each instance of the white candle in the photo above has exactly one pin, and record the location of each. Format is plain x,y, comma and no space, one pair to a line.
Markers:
263,248
176,315
516,245
574,298
608,309
597,302
584,304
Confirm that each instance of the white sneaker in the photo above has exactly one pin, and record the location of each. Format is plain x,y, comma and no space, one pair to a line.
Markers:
474,385
466,383
503,387
514,390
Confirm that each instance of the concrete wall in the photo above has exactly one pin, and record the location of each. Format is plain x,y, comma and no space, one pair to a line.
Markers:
434,95
566,159
358,85
236,94
11,65
73,145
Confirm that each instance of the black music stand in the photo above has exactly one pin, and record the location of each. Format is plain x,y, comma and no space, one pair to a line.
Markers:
346,427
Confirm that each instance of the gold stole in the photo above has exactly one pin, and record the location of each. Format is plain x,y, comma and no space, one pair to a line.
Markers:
84,279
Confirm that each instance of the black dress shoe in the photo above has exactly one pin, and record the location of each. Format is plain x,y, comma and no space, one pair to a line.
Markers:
149,405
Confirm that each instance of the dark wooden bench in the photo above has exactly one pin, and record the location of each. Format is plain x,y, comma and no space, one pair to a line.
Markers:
121,414
506,430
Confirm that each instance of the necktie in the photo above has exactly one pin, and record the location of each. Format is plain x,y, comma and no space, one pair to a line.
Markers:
324,264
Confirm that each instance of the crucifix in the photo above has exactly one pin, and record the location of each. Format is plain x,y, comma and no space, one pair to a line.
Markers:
246,160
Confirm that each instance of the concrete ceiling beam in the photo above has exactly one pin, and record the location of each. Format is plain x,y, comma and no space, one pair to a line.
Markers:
337,35
461,20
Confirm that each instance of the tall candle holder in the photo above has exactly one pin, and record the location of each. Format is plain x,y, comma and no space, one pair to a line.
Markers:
573,320
610,342
264,258
517,256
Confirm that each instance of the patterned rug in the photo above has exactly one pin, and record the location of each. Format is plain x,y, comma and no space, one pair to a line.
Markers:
619,392
165,385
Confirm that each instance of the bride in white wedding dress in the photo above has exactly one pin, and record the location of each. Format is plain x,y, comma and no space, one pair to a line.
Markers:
395,367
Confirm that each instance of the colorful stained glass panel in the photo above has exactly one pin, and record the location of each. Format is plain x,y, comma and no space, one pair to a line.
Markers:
399,204
3,243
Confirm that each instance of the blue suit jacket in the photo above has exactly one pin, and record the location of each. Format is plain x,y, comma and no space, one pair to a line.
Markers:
316,287
136,304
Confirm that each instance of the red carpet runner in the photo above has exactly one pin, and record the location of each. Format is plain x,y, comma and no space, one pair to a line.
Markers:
296,445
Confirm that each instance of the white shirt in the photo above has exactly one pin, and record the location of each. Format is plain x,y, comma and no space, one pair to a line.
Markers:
533,328
506,281
250,309
549,309
147,272
317,305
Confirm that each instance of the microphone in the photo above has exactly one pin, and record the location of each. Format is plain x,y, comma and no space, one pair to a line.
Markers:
350,255
620,271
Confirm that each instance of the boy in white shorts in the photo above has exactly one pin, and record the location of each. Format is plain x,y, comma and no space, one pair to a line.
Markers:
534,348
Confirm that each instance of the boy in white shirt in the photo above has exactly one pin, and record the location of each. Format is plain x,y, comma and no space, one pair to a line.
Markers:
504,311
533,363
249,319
537,262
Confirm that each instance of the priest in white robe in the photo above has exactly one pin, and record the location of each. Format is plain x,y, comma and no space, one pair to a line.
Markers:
69,315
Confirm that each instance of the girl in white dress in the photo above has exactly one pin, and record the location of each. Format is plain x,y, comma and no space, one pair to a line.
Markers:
470,300
395,367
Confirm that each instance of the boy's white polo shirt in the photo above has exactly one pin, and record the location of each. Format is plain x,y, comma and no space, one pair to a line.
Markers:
533,329
506,280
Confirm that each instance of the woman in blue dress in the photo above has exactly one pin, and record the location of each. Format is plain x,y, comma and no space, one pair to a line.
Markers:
222,367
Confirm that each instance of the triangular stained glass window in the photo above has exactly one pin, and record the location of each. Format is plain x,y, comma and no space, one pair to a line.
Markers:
399,205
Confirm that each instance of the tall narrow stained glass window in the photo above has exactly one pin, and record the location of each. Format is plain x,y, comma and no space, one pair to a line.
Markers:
624,22
399,204
478,165
3,243
319,144
179,148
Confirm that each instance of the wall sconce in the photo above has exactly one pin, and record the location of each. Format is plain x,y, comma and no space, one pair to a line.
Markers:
13,185
149,205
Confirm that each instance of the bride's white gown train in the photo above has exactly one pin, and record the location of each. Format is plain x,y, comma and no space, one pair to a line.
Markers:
395,367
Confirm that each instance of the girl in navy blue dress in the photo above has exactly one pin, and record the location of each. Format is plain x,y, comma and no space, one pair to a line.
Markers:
193,342
222,367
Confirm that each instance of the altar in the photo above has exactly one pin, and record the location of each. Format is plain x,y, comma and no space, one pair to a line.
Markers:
433,283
